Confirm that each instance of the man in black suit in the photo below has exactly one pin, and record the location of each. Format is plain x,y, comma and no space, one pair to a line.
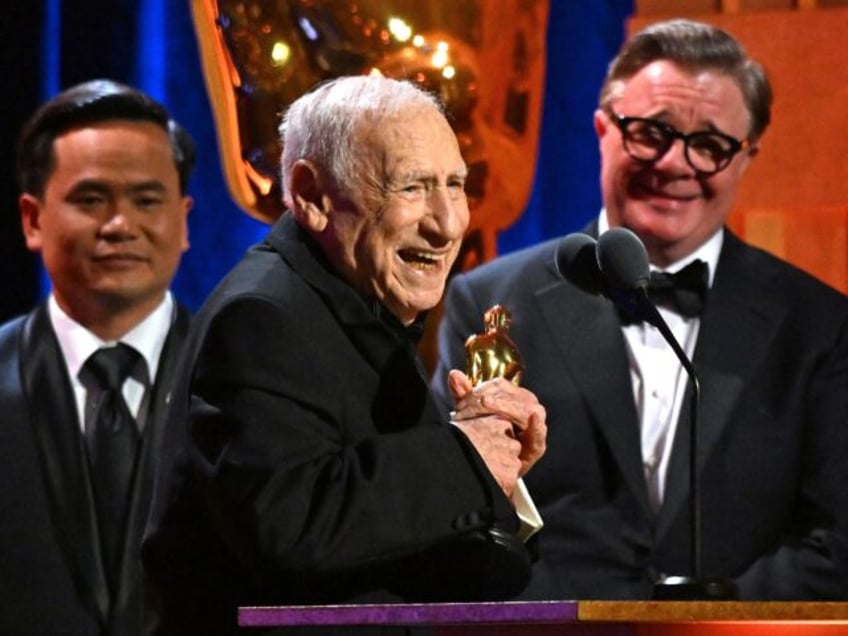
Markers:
103,173
309,462
681,114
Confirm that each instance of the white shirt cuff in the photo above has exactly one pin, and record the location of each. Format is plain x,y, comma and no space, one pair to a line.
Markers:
528,514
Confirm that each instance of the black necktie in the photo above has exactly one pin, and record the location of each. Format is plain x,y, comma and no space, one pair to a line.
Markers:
684,292
112,439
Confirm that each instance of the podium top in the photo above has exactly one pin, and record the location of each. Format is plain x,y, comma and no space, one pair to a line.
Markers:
541,612
410,614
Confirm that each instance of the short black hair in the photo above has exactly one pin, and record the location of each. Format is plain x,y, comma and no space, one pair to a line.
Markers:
92,102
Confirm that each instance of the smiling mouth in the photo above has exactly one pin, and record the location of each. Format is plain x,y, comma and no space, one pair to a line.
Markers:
425,261
119,260
662,189
647,193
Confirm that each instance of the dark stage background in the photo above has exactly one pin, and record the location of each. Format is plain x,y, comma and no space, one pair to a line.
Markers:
48,45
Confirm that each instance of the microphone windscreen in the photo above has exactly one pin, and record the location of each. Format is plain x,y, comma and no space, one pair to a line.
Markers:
577,262
623,259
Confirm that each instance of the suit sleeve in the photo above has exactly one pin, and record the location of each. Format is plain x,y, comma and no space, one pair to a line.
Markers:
812,560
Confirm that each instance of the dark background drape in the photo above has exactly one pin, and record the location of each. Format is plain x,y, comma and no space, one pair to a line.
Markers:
48,45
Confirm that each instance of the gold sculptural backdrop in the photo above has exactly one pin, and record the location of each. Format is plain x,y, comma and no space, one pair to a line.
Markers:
484,58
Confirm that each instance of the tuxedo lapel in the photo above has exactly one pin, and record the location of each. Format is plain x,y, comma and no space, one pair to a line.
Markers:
586,330
737,329
166,377
61,447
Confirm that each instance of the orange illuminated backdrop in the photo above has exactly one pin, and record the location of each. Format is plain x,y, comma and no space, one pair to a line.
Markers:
793,201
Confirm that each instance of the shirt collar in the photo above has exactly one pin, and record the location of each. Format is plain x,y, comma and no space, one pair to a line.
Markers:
78,343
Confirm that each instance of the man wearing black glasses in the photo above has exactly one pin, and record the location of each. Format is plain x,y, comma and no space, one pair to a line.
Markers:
681,115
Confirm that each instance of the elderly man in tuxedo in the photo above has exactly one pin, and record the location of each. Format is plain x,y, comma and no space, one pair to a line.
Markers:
309,462
681,115
85,376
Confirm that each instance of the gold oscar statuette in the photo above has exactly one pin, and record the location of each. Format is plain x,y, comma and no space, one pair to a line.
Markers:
493,354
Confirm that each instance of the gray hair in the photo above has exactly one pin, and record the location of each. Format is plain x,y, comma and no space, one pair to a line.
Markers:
321,125
695,46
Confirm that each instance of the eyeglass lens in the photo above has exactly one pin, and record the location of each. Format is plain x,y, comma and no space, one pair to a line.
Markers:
648,140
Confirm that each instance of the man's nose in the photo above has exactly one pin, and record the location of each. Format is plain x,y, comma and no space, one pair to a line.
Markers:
449,213
674,158
119,221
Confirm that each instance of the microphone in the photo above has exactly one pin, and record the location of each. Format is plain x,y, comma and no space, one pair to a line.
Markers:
621,271
623,259
577,263
616,266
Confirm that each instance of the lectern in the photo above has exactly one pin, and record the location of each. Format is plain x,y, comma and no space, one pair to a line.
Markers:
572,618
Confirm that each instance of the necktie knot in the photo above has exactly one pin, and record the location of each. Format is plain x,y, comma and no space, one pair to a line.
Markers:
111,366
684,292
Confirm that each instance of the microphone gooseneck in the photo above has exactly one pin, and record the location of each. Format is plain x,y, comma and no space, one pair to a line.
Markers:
624,264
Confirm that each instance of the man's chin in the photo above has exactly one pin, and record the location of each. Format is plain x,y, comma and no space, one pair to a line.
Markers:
410,308
125,295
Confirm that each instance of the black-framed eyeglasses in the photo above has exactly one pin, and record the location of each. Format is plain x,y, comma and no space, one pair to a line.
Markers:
647,140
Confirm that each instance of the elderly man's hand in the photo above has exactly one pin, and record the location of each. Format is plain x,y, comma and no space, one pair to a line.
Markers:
494,410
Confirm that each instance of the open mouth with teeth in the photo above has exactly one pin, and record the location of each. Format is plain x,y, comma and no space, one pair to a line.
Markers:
420,260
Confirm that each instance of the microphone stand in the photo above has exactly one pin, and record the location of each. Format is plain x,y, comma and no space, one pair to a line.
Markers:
617,266
695,587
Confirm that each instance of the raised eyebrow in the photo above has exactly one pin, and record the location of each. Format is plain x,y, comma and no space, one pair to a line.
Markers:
431,179
662,117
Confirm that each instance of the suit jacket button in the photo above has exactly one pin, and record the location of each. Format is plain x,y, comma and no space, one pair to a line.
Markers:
468,520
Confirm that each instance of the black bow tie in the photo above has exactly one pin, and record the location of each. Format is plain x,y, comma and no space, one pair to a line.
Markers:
684,292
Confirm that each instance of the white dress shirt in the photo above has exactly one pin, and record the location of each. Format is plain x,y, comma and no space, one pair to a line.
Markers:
659,380
78,343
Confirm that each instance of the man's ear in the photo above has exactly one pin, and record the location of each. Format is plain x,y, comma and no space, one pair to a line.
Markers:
30,207
601,121
308,197
187,203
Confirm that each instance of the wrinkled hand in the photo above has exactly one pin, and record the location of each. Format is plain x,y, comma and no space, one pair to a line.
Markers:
504,422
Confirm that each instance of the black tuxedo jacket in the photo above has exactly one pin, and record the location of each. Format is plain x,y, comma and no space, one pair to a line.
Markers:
310,463
51,575
772,358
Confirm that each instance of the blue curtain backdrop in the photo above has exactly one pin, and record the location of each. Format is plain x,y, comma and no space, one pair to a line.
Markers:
151,44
